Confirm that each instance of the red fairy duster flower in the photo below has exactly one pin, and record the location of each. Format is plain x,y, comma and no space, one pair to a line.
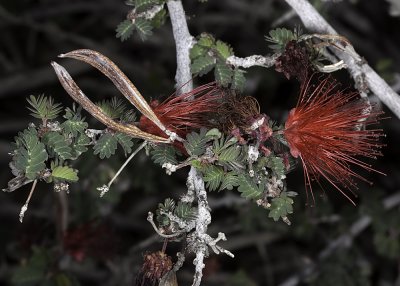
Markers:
185,112
326,131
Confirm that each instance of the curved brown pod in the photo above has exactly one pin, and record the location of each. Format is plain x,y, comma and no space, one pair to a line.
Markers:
120,80
77,94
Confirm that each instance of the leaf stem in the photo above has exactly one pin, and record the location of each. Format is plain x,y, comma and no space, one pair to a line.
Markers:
104,189
25,206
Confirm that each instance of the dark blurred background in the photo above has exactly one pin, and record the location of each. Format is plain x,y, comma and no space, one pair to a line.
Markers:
33,33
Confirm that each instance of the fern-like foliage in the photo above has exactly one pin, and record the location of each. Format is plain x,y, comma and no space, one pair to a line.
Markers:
223,50
213,176
280,37
229,181
31,154
79,145
128,116
113,108
159,19
185,211
64,173
274,163
196,143
248,188
106,146
125,30
142,5
164,153
144,28
167,207
43,107
75,123
238,79
208,54
281,207
125,141
223,74
203,65
58,143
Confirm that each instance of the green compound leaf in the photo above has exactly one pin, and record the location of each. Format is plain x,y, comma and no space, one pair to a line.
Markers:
185,211
222,144
74,127
276,165
230,154
239,80
223,74
214,133
142,5
202,65
224,50
105,146
65,173
159,19
44,107
125,30
79,145
125,141
206,40
164,153
31,156
57,142
168,206
114,108
128,117
213,176
280,37
249,188
144,28
281,207
196,142
74,124
230,180
197,51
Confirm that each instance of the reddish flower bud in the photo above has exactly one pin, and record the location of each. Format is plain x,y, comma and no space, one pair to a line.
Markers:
186,112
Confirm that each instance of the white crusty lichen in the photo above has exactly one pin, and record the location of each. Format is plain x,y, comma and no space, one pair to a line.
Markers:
252,154
169,168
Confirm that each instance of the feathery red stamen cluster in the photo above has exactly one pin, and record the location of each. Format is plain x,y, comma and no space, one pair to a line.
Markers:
185,112
326,131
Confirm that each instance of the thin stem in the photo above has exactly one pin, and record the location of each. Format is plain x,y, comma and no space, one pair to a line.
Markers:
25,206
105,188
127,161
151,221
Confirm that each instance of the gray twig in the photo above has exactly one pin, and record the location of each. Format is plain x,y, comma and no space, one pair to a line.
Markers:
183,42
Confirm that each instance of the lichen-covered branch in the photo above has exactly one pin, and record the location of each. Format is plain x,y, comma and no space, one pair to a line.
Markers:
148,14
198,240
255,60
361,72
183,42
